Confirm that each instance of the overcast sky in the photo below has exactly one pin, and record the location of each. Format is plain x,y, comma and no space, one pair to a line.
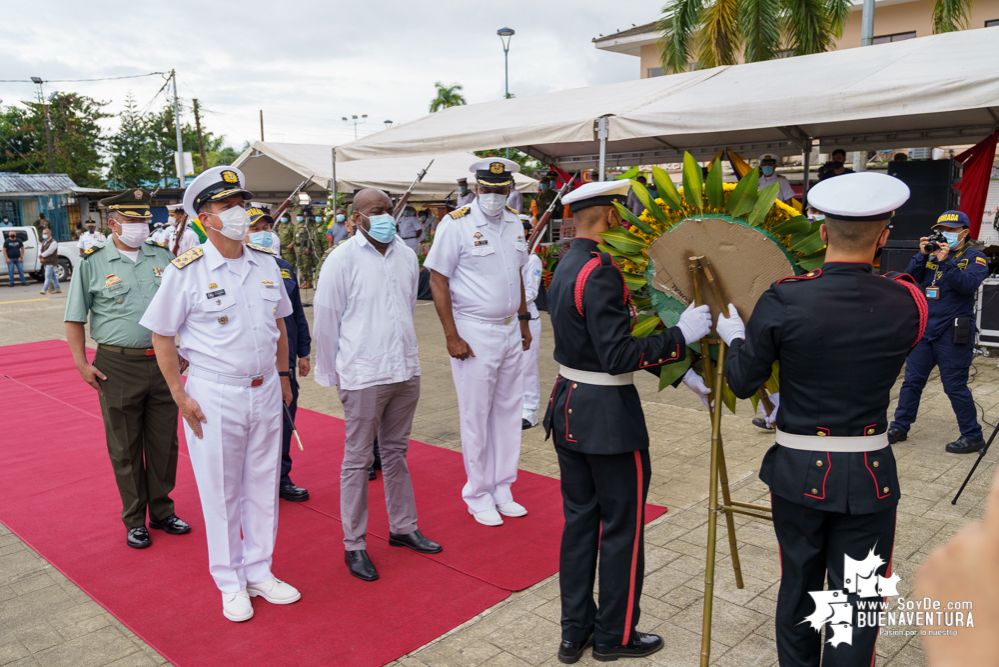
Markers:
307,63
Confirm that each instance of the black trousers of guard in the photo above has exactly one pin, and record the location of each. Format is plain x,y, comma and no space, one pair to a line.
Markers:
813,543
286,428
603,497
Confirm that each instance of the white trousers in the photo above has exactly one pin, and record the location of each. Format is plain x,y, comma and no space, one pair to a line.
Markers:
532,375
490,399
237,465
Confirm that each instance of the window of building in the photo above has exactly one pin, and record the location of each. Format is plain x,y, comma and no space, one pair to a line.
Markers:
10,209
897,37
992,24
654,71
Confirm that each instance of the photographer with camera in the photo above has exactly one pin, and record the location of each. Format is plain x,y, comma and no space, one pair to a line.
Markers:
950,271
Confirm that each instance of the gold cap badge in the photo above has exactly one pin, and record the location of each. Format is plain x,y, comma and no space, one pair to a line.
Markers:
229,177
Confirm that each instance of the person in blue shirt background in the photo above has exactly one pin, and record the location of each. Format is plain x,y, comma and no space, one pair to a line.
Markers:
299,346
950,278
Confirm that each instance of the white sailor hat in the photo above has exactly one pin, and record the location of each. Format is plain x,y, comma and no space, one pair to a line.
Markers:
597,193
769,156
213,184
175,207
860,197
494,172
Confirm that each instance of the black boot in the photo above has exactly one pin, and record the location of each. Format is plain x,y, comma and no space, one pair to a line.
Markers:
965,445
895,434
570,652
640,646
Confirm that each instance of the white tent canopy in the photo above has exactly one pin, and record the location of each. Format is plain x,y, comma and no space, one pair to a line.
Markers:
274,170
931,91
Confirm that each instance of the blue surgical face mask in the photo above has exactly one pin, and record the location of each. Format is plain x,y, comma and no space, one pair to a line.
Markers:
299,218
951,238
340,217
262,239
767,170
462,189
543,187
382,227
423,217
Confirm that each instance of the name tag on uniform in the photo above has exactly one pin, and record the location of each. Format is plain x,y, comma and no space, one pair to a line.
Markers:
932,292
482,242
217,293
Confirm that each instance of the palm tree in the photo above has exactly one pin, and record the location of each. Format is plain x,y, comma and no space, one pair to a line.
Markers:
711,32
951,15
447,96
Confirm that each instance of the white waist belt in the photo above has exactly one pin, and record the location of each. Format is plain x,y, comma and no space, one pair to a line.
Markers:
589,377
829,443
487,320
234,380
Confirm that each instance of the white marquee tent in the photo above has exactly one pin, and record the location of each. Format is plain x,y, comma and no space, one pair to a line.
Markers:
274,170
932,91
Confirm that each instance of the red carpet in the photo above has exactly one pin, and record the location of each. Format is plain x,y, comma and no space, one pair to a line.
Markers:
58,494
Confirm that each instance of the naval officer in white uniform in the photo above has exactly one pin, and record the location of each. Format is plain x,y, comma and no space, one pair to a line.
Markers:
475,264
769,176
531,274
227,302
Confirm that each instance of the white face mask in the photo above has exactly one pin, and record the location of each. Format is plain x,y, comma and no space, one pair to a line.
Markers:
133,234
235,223
491,204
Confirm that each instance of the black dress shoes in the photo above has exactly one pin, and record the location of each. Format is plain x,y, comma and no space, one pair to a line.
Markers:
895,434
640,646
295,494
965,445
372,476
138,538
524,425
415,541
360,565
762,423
570,652
172,525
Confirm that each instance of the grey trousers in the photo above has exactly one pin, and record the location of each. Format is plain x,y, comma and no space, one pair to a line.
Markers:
385,410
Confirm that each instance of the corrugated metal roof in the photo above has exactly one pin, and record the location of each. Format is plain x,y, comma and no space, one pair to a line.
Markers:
35,183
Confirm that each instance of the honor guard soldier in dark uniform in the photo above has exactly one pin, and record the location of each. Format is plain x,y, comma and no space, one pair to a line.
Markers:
841,335
113,284
595,416
299,346
950,272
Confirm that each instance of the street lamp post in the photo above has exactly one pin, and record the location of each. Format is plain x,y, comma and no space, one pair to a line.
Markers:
388,124
355,121
505,34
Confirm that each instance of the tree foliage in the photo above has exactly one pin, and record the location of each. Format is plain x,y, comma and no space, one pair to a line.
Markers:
77,138
447,96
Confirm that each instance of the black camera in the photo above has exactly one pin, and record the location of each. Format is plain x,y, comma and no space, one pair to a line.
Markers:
933,242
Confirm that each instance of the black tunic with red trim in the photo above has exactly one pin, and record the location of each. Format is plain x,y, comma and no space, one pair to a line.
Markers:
597,419
841,335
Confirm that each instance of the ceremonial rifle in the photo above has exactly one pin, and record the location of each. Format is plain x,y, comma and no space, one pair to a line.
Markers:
287,202
397,211
539,229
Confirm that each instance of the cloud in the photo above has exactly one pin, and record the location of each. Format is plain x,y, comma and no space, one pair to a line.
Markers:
308,63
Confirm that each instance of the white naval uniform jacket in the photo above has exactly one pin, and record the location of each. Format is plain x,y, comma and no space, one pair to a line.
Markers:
225,311
482,260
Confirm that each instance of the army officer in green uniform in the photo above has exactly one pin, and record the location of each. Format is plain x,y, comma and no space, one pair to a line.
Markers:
113,284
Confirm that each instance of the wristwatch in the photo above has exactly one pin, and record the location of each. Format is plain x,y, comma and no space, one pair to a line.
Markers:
526,317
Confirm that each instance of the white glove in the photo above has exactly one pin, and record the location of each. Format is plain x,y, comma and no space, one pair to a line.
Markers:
695,323
731,327
772,417
695,383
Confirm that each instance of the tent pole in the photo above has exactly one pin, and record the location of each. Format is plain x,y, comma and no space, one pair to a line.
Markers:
602,137
806,155
333,183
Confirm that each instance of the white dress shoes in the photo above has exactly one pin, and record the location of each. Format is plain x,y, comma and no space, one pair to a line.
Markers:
274,591
487,517
511,509
236,606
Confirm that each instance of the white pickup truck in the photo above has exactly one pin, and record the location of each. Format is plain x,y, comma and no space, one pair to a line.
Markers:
68,252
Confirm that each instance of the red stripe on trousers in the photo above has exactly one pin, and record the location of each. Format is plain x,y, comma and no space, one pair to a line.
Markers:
634,551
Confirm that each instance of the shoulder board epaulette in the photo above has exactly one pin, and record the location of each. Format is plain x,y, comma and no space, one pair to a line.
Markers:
156,243
286,274
260,248
90,251
185,258
512,211
807,276
459,212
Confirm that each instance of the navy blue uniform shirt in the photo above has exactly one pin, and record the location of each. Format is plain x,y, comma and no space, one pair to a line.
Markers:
958,278
299,339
